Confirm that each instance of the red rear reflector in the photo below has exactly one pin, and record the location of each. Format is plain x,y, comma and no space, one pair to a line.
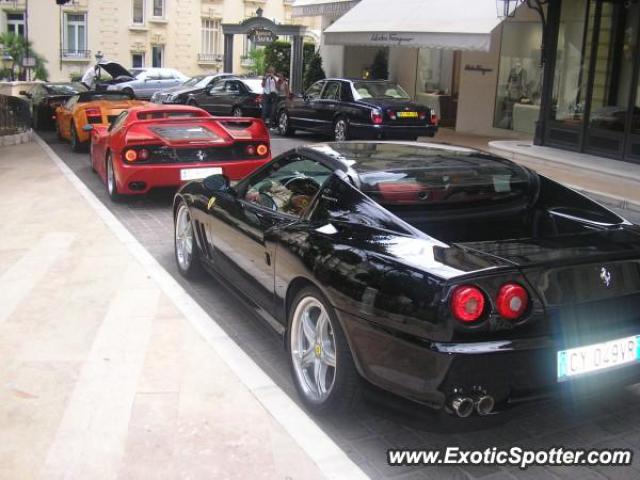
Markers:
376,117
251,150
131,155
143,154
262,150
512,301
467,303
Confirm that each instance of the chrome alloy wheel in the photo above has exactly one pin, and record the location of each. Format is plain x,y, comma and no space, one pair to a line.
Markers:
184,238
313,349
111,177
283,123
340,130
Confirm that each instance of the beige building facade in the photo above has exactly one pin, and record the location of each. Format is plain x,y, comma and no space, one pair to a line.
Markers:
181,34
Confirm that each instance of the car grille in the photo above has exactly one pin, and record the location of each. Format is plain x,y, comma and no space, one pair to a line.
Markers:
167,155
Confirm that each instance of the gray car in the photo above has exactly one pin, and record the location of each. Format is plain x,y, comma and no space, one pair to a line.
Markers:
152,80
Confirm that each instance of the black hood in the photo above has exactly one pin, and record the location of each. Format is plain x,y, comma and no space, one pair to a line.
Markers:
115,69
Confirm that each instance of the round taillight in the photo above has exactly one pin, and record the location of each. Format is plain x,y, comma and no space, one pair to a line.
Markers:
130,155
467,303
143,154
512,301
262,150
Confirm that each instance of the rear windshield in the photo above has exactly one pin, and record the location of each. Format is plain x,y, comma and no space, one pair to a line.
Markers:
465,184
364,90
186,132
166,114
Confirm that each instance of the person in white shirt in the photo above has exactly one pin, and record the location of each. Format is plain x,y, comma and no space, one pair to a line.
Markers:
270,94
91,76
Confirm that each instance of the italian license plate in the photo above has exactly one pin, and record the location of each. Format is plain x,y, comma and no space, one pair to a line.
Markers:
579,361
407,114
198,173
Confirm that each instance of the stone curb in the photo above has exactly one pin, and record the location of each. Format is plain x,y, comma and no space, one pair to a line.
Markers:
16,138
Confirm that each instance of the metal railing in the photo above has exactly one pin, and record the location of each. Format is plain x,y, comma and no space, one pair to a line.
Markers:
76,54
15,115
210,57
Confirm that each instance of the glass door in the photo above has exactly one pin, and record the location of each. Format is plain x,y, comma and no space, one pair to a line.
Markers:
611,77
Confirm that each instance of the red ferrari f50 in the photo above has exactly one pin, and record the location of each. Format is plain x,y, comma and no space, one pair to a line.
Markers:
164,146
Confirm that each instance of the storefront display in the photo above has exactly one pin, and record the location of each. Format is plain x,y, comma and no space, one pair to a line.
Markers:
436,85
518,91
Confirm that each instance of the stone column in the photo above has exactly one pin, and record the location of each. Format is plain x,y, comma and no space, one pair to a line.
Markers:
296,66
228,53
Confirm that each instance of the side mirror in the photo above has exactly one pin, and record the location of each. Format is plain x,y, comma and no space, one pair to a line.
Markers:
217,183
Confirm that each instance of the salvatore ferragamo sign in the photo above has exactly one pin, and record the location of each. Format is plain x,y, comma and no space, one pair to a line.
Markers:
391,37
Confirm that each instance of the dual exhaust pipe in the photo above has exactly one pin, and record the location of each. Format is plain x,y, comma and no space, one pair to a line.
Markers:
463,406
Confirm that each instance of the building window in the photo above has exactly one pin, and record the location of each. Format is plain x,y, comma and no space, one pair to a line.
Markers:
137,60
15,23
211,36
519,77
75,33
138,12
157,56
158,8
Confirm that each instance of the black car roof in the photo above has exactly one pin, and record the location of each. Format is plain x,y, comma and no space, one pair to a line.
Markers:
369,157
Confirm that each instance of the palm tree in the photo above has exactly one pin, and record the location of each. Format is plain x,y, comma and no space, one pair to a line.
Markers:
17,47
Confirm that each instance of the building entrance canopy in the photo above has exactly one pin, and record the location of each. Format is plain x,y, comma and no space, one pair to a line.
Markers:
446,24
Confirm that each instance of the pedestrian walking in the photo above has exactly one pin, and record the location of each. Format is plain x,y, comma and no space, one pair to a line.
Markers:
270,94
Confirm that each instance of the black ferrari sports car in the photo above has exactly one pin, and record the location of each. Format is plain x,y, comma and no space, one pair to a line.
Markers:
445,275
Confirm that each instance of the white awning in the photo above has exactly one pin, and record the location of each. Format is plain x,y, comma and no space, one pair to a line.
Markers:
447,24
316,8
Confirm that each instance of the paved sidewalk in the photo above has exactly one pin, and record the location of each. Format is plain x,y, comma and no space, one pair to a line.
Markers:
102,375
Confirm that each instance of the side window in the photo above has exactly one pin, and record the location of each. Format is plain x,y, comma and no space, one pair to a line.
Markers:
288,186
313,92
153,75
340,200
118,121
232,87
345,92
217,87
331,91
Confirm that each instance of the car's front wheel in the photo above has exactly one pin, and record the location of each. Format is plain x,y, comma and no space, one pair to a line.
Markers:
284,124
112,186
185,247
321,363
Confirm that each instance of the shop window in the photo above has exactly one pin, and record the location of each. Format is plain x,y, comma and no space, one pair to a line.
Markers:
519,77
15,23
437,77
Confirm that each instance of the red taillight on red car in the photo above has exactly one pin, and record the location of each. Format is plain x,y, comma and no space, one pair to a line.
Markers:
512,301
131,155
467,303
376,117
262,150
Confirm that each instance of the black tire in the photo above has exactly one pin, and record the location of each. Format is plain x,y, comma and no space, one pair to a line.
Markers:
129,91
284,128
192,102
236,112
111,184
346,392
342,123
194,269
76,144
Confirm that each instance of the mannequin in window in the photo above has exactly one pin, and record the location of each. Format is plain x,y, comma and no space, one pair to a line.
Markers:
517,82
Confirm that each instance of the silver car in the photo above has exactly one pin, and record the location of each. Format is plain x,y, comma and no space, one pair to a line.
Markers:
152,80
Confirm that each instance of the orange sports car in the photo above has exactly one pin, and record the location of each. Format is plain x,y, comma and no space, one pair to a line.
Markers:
90,108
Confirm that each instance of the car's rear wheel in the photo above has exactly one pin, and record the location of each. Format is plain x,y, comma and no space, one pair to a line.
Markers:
112,186
236,112
284,124
76,144
192,102
341,130
185,247
321,363
128,91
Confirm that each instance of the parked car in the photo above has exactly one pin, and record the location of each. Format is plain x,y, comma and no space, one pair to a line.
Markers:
448,276
46,97
166,145
90,108
183,94
356,109
239,97
152,80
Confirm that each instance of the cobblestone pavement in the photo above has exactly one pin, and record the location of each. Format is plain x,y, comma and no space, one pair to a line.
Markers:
611,422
